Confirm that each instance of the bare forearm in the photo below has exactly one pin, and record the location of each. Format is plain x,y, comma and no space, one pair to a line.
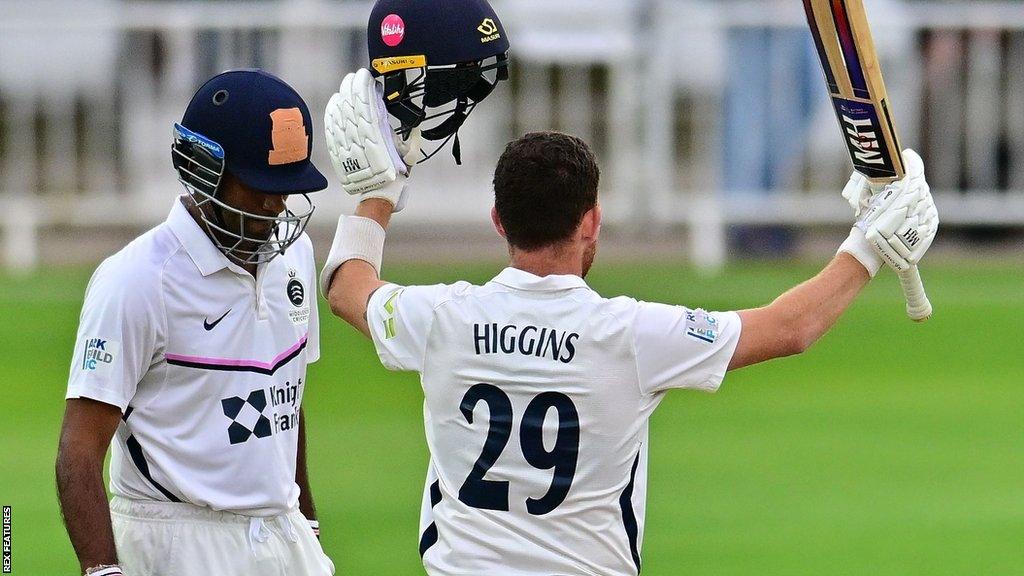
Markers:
306,505
815,306
83,503
377,210
355,280
801,316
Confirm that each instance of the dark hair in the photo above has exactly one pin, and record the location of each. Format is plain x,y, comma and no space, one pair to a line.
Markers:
543,185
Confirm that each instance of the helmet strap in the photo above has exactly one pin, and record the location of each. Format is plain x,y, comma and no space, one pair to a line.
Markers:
412,115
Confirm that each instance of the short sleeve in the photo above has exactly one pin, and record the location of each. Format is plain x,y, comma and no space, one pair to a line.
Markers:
400,319
677,347
117,337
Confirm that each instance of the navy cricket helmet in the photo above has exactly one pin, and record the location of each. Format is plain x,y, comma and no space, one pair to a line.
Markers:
255,126
438,59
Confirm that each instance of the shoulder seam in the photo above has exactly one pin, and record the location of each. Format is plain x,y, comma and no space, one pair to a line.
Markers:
163,302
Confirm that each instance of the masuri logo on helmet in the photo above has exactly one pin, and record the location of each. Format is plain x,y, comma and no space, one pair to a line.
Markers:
435,64
489,30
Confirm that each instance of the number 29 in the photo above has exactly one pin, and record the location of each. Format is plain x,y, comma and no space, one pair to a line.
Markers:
485,494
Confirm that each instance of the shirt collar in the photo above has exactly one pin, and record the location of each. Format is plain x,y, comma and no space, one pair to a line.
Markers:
206,256
523,280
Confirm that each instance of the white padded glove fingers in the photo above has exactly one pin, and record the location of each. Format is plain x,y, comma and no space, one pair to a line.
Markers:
400,158
881,247
890,220
879,205
362,144
345,118
410,147
901,222
914,166
858,193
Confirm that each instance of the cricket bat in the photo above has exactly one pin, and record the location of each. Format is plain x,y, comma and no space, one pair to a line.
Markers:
854,79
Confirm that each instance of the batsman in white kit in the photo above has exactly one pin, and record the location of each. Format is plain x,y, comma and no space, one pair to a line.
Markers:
538,390
191,359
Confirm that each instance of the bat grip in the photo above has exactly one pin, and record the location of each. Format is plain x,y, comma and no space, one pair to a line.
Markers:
918,307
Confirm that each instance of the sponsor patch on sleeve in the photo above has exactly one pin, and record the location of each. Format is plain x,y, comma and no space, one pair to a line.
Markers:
391,312
99,354
702,326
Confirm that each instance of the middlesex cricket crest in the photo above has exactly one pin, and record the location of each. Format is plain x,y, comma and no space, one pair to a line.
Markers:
296,292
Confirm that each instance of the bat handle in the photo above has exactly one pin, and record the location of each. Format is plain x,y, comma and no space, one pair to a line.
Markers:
918,307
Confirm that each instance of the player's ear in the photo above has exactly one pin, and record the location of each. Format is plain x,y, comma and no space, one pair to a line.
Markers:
497,222
590,227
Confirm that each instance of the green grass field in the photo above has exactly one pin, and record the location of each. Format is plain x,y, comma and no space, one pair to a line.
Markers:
889,449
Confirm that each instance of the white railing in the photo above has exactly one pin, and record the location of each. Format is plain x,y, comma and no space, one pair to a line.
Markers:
704,113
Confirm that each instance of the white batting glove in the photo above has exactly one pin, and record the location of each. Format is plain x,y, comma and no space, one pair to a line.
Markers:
369,158
897,225
901,222
858,193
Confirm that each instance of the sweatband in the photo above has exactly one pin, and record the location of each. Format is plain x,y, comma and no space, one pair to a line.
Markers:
356,238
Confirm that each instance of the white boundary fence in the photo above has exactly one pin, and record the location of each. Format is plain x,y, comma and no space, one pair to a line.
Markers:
89,89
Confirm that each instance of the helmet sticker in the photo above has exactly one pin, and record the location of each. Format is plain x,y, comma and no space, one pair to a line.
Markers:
489,30
392,30
385,65
186,135
291,144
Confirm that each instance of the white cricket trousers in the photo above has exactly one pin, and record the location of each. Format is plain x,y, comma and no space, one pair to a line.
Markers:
173,539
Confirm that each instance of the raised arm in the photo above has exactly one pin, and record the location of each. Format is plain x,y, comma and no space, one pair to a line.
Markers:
897,227
85,436
373,163
355,280
798,318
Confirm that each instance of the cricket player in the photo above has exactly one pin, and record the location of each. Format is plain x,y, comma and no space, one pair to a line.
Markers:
538,391
191,359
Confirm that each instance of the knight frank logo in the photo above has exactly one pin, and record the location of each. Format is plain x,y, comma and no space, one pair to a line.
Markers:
247,419
263,413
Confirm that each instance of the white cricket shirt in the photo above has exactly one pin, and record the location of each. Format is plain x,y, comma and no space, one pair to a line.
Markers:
538,393
207,365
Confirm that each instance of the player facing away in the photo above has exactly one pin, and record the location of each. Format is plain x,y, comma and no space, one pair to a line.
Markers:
538,390
191,359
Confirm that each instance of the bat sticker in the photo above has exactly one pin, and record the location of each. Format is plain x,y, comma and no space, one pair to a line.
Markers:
863,131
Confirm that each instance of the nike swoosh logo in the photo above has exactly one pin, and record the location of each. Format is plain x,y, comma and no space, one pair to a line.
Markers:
211,325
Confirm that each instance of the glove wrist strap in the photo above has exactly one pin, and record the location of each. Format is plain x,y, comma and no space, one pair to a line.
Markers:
392,192
856,245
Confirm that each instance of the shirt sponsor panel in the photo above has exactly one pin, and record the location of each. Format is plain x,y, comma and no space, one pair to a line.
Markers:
99,354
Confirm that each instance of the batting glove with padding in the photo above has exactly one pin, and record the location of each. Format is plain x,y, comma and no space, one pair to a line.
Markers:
369,158
896,224
901,222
